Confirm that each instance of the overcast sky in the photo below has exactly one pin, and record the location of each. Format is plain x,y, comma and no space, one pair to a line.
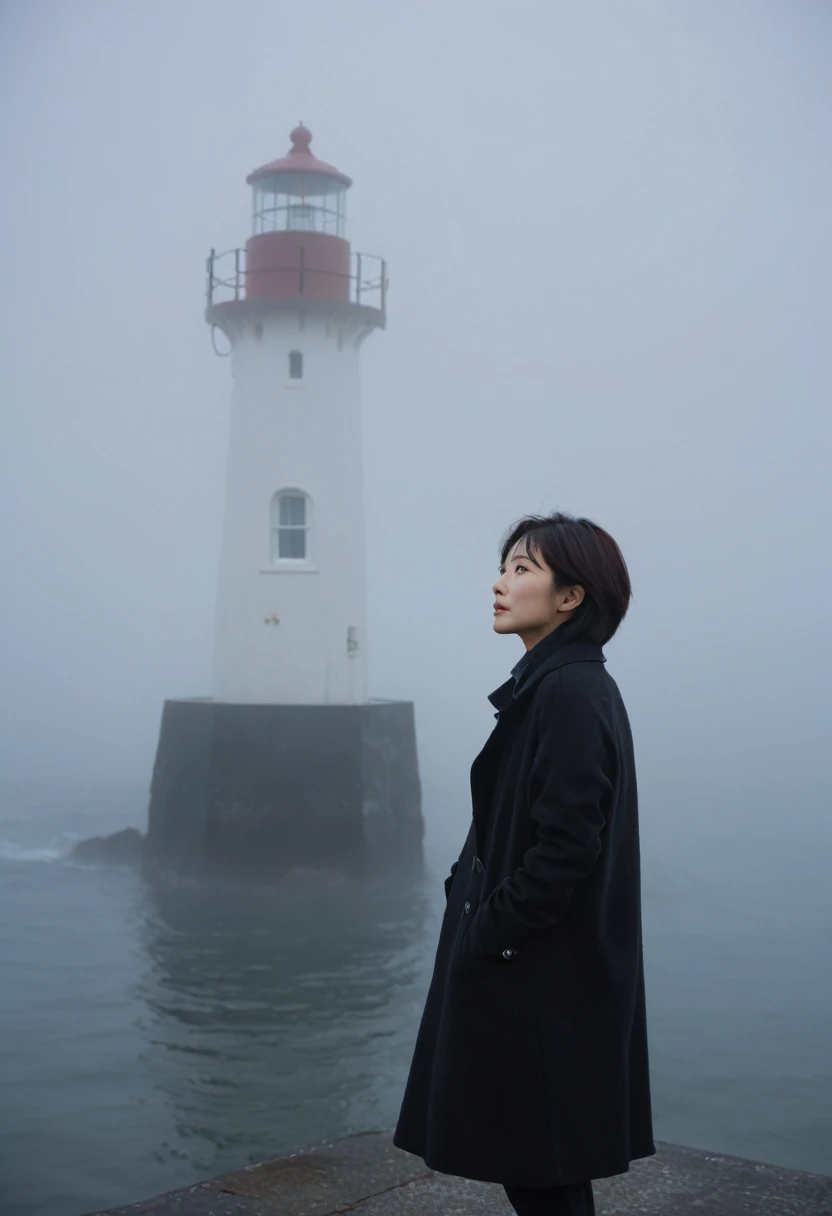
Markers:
607,228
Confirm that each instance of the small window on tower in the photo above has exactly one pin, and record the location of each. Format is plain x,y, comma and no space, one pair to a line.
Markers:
288,525
295,365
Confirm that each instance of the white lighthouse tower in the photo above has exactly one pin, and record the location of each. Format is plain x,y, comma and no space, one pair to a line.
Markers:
290,760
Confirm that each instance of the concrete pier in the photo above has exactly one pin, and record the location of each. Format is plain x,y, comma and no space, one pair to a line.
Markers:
367,1174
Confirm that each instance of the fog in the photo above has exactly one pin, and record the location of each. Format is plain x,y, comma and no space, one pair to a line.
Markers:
607,233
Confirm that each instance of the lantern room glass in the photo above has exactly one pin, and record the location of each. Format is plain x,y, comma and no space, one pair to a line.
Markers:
299,202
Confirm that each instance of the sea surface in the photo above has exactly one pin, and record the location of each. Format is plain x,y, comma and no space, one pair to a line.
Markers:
149,1040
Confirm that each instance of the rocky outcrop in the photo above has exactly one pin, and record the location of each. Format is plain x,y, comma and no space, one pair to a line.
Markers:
122,848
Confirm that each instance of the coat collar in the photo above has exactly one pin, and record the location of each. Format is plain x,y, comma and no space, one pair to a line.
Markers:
544,657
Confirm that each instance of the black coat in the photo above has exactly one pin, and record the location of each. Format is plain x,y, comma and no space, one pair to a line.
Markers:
530,1065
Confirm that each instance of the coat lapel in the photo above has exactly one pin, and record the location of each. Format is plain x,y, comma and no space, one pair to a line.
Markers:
509,703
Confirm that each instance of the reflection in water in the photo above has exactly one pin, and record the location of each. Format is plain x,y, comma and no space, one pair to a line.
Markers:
303,997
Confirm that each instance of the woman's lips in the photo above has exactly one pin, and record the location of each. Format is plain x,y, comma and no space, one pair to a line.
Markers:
499,610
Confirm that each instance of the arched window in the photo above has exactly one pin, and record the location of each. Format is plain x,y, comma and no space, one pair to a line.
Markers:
295,365
288,525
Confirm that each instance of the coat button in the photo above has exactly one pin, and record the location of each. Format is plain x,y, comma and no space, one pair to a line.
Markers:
467,906
508,952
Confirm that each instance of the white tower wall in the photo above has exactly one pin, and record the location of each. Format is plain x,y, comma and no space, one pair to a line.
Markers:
303,435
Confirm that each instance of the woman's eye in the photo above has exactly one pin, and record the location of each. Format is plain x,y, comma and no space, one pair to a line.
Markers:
519,567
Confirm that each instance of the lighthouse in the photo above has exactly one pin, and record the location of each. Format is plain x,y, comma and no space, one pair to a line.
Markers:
290,761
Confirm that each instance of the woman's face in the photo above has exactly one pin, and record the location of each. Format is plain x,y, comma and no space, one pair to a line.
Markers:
526,593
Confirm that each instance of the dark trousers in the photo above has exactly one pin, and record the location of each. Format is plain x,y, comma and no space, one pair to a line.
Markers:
575,1200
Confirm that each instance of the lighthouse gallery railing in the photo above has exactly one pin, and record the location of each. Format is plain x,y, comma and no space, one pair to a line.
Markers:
367,277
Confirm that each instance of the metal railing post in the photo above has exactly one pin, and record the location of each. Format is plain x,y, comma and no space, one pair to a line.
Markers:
301,263
358,278
236,274
209,287
383,288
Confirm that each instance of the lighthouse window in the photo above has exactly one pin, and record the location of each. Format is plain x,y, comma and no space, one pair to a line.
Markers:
302,217
288,525
295,365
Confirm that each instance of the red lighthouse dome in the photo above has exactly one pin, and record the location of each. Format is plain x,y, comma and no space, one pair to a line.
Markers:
298,160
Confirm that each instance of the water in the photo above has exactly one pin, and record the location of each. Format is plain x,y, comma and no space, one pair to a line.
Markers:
151,1040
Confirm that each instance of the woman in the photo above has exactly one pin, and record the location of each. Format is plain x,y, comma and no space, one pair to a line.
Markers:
530,1066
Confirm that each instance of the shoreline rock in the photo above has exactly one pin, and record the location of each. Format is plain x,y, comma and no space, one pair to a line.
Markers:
122,848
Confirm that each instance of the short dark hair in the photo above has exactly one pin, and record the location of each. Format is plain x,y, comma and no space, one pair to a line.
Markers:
579,552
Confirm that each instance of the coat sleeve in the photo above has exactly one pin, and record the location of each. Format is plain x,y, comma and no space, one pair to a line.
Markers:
570,784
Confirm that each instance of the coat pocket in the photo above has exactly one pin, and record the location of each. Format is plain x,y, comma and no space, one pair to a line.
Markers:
499,988
472,965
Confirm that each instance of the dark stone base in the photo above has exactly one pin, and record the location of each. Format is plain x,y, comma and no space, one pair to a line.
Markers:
259,789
